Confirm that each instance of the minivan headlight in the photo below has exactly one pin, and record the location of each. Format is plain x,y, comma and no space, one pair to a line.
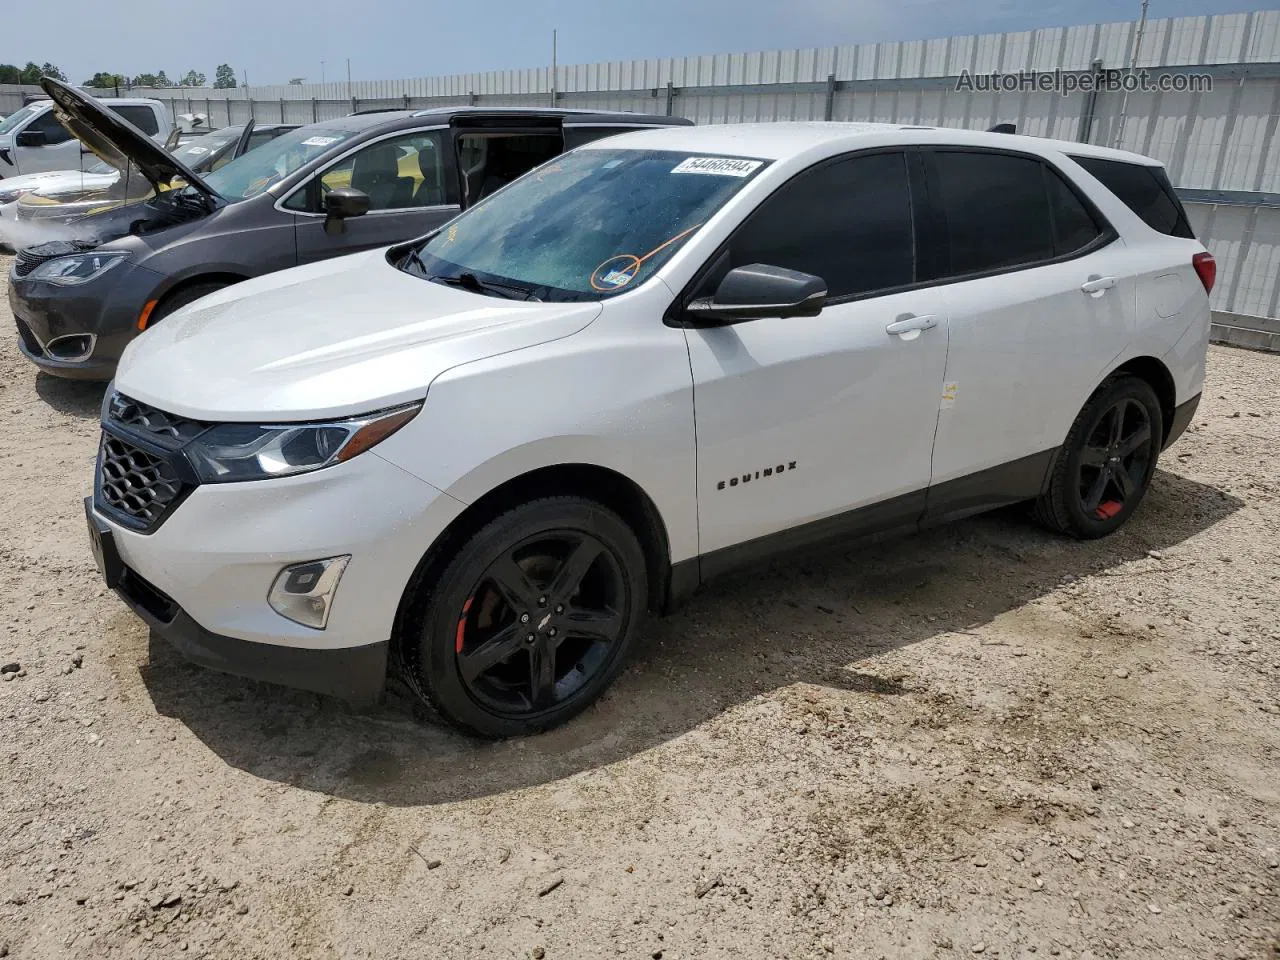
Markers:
232,452
77,268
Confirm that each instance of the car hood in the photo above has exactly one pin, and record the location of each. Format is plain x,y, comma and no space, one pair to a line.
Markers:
332,339
54,180
116,140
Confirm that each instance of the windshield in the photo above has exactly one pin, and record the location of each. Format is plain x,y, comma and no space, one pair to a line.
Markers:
587,225
197,151
251,173
15,119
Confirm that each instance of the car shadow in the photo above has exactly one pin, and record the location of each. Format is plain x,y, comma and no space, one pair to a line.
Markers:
814,621
81,399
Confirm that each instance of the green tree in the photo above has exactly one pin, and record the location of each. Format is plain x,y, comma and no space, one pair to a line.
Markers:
152,80
224,78
193,79
30,73
10,73
104,81
49,70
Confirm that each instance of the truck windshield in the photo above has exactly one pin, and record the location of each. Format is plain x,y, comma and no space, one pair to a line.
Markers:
15,119
587,225
253,172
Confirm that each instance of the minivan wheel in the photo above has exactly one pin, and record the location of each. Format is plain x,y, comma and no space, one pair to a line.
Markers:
1105,467
530,620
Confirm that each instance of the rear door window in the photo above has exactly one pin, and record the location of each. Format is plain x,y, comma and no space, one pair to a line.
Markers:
1144,190
54,132
848,222
994,212
141,116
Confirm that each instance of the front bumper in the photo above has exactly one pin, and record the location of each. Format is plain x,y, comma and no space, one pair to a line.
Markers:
106,308
201,578
355,674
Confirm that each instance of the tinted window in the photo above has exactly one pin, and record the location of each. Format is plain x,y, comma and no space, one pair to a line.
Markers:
1145,190
848,222
53,131
995,211
142,117
1073,224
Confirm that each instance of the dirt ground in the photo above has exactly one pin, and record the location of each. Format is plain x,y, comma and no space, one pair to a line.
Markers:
982,741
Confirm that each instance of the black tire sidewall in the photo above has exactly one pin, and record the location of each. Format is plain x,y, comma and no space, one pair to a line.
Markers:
1130,388
178,300
435,665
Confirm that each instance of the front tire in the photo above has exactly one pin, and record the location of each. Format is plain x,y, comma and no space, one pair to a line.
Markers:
529,620
181,297
1106,465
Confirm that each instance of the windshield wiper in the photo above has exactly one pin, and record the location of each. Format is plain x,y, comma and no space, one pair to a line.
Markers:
469,281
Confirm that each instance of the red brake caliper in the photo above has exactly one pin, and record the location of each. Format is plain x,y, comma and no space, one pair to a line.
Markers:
1105,511
462,624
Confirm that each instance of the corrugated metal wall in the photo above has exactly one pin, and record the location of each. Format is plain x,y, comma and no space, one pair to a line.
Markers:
1223,140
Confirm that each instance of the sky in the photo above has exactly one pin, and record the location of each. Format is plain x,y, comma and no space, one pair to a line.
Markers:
277,40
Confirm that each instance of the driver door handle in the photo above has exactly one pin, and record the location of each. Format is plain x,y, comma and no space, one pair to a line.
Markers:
907,323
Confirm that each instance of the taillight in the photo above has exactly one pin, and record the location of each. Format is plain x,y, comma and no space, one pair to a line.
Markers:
1206,269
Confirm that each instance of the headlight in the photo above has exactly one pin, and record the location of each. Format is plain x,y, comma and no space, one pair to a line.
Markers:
232,452
10,195
77,268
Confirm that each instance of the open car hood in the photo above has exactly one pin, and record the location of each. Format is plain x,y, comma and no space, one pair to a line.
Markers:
116,140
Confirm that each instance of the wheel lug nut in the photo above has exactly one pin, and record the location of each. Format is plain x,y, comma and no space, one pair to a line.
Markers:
542,601
559,608
551,632
530,638
524,618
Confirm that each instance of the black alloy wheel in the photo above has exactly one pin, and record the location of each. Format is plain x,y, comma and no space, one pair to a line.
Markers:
1105,466
540,623
1114,460
524,623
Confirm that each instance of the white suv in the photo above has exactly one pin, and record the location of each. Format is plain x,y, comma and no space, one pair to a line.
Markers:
483,455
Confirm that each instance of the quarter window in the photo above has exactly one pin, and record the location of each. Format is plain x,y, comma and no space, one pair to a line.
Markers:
1144,190
848,222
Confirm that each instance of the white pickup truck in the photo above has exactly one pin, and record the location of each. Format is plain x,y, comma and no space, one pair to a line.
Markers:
33,141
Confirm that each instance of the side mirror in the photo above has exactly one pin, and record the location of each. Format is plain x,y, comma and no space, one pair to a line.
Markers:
759,290
31,138
343,202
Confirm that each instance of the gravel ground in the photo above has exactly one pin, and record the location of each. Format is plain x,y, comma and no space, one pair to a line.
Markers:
982,741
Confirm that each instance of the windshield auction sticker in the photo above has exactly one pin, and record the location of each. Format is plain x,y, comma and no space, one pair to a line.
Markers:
718,166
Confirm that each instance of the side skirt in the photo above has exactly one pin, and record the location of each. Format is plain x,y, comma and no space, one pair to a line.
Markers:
1023,479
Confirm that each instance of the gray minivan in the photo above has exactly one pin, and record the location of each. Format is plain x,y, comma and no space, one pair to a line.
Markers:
334,187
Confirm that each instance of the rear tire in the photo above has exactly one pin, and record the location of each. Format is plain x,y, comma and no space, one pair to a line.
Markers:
181,297
1105,467
529,620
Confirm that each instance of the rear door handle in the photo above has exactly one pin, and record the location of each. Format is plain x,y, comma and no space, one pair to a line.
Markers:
1096,285
906,323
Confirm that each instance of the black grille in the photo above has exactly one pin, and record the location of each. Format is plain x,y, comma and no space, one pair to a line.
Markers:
167,429
135,484
29,339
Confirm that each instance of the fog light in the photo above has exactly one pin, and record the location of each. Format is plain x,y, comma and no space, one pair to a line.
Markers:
303,592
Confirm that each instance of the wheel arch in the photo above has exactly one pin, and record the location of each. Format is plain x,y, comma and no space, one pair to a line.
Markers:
1160,379
193,279
603,485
